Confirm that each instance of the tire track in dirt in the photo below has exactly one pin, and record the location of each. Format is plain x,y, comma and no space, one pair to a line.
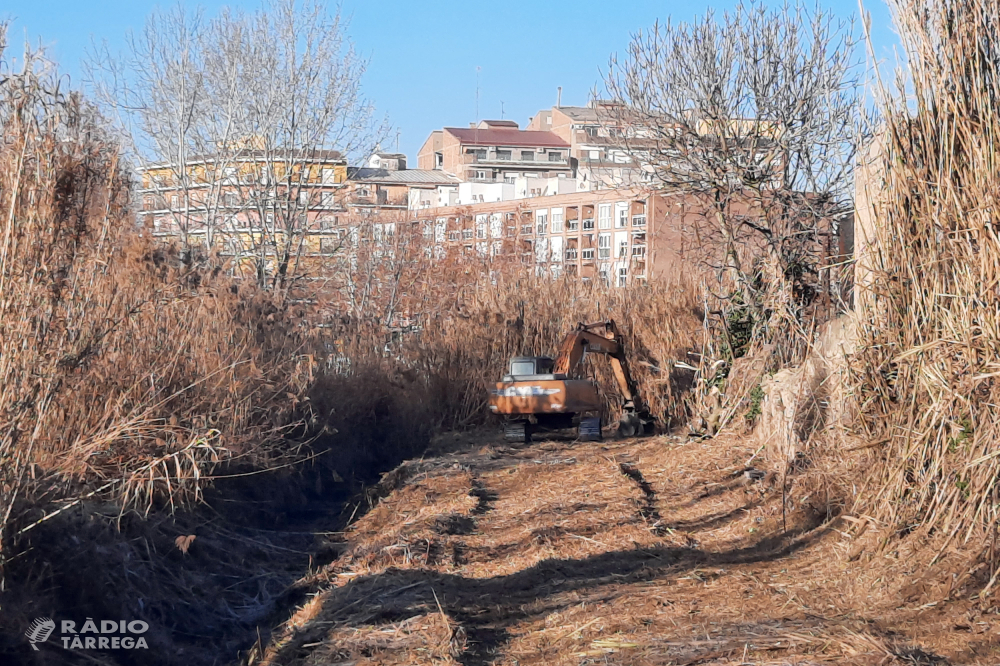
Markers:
647,507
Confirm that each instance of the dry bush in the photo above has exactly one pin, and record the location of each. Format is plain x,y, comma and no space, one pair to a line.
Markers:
461,319
926,385
124,370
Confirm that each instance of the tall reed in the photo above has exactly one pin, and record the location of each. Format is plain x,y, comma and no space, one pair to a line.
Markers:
929,303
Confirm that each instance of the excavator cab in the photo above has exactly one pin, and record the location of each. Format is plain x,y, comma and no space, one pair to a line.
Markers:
528,367
539,393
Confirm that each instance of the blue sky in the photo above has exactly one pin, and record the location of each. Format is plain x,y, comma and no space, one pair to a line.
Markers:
423,55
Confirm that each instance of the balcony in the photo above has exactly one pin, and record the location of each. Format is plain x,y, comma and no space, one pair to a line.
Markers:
516,161
527,229
571,254
638,220
588,224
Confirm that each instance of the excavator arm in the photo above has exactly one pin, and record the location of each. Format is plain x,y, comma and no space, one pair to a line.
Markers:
601,338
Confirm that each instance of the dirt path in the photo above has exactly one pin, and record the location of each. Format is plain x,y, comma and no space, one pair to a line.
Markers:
654,551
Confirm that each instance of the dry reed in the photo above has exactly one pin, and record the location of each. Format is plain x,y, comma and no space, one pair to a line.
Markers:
125,371
925,384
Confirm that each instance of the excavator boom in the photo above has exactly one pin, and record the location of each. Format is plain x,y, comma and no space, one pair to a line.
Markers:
600,338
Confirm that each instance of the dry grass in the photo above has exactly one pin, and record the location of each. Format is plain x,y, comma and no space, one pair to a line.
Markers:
637,552
926,377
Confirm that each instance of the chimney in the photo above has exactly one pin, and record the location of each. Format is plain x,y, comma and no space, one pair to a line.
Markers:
559,96
473,125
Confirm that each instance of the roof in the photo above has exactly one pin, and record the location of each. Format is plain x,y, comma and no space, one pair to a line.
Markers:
391,155
506,137
499,123
404,177
584,113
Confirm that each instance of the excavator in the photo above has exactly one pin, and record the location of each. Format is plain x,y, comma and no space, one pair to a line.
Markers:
540,394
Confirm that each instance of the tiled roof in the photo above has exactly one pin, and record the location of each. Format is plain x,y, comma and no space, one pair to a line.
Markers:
505,137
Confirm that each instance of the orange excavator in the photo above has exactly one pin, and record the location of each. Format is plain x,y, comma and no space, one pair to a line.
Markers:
541,394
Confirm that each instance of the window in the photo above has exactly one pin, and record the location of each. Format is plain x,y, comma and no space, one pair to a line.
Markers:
508,179
480,226
328,245
573,225
496,226
638,220
327,199
173,201
527,156
588,253
588,224
622,276
304,197
555,156
571,254
622,248
542,222
595,155
621,221
604,216
328,176
438,160
478,154
480,175
454,235
467,234
231,199
557,220
556,249
604,246
504,155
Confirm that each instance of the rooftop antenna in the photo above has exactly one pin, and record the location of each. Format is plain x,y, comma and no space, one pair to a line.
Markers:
501,109
477,102
397,140
559,96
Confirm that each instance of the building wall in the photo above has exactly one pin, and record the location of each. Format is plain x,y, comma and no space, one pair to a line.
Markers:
425,156
637,238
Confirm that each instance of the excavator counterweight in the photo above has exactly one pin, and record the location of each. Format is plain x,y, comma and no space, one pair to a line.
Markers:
540,393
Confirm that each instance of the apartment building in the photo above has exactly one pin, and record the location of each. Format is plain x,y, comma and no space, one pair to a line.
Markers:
620,236
271,211
495,151
600,156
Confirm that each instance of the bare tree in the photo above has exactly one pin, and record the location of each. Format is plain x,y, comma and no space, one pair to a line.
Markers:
245,122
751,116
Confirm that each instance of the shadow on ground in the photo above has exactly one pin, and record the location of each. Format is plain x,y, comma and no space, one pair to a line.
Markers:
487,608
